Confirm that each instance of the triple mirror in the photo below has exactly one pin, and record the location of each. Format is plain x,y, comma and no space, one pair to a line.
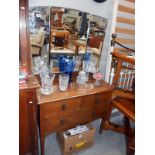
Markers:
56,31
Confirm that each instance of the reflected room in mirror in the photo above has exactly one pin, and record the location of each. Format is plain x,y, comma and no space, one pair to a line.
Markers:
39,25
56,31
96,34
68,29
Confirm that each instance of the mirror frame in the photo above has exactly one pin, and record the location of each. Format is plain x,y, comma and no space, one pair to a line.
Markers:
24,38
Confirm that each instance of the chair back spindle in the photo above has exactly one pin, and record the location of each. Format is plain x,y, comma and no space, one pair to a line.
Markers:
122,73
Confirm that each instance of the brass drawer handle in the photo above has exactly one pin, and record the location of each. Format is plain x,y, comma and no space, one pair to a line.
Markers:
63,107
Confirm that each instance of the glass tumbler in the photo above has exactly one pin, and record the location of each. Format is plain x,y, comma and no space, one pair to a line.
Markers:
63,81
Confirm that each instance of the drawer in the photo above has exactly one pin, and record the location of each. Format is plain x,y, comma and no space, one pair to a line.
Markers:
61,107
102,100
97,100
91,114
63,121
88,114
88,101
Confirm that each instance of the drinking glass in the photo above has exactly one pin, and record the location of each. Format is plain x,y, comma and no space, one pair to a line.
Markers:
47,82
63,81
81,78
44,70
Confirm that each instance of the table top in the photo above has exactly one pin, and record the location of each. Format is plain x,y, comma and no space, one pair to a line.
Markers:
30,83
73,90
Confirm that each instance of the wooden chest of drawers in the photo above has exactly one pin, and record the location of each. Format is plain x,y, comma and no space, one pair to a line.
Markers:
63,110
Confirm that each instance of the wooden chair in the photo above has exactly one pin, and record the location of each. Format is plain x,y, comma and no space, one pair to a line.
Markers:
123,98
37,42
60,38
36,48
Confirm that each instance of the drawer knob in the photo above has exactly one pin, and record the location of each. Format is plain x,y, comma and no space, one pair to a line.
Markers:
93,114
63,107
97,101
62,121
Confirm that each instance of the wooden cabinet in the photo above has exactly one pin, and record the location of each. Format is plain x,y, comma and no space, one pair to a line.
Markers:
28,132
64,110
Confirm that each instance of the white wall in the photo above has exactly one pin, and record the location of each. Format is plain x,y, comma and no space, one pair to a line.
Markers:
106,10
101,9
105,61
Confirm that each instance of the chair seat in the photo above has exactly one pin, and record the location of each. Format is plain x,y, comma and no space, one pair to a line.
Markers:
126,106
95,51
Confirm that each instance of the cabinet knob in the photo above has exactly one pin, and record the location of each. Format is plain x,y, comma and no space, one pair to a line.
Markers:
30,102
63,107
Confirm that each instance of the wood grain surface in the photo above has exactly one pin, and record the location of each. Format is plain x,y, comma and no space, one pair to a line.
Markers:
74,90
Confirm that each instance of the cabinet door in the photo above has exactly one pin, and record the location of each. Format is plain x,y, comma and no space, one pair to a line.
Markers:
28,140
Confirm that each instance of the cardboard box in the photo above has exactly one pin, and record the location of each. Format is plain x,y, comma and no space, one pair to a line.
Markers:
73,143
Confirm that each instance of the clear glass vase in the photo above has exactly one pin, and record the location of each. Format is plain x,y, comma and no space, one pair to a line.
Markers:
47,84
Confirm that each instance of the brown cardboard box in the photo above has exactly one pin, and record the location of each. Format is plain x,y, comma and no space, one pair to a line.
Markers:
76,142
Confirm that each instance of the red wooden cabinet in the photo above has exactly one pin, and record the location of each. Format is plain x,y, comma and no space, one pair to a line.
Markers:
28,126
28,132
28,137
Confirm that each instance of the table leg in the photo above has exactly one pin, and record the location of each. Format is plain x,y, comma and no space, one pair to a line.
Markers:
42,132
42,139
106,119
101,126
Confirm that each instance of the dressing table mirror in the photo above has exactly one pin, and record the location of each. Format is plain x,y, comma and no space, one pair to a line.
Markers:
56,31
39,42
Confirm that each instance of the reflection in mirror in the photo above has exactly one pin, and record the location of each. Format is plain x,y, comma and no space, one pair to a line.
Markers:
96,34
56,31
39,31
68,32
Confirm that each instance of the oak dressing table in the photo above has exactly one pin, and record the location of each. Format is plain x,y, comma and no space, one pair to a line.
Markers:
78,105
